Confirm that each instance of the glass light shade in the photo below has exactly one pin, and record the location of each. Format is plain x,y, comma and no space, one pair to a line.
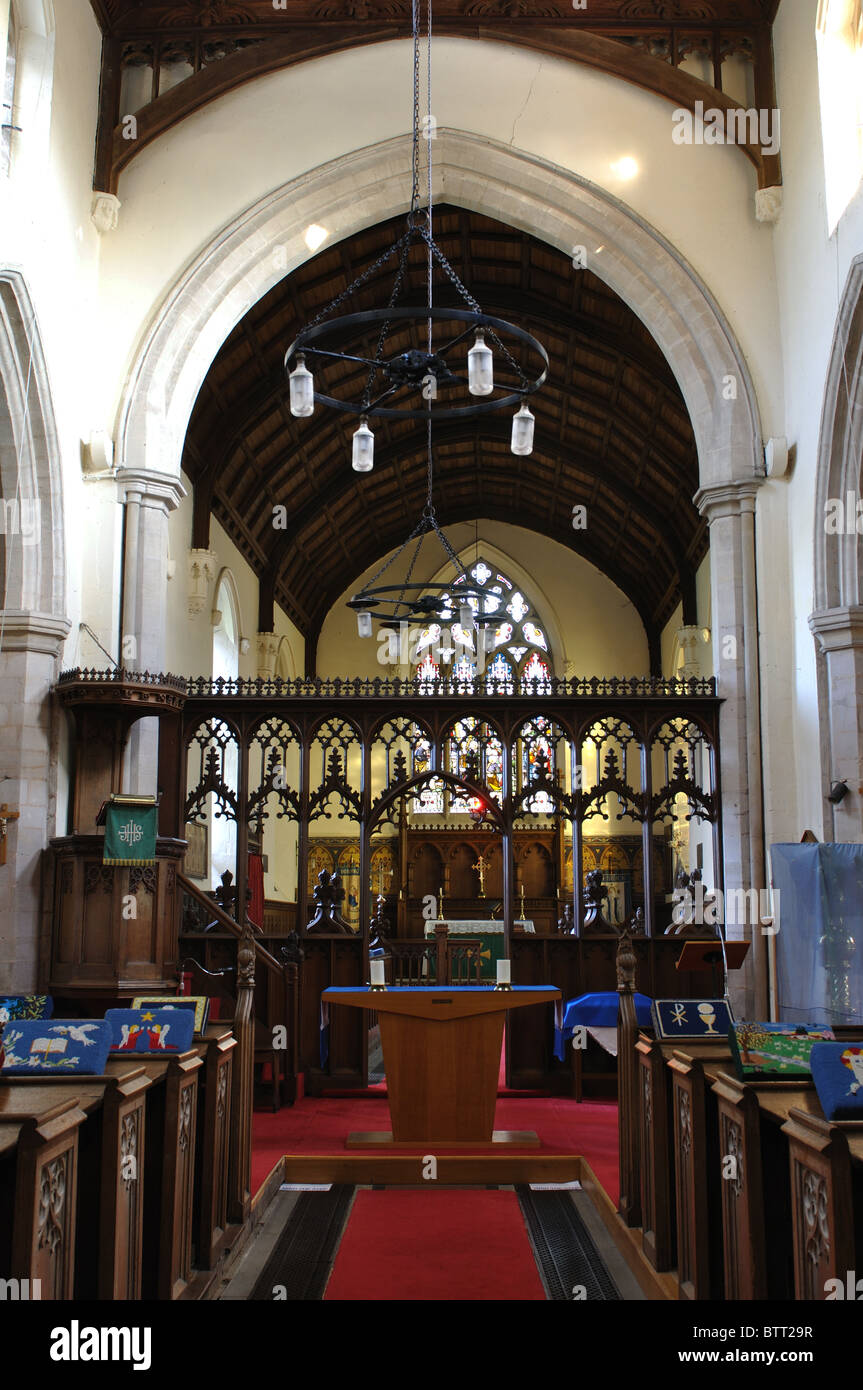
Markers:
363,457
364,622
521,442
480,367
302,385
465,617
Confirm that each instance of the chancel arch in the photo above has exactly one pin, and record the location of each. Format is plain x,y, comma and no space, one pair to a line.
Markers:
239,266
33,621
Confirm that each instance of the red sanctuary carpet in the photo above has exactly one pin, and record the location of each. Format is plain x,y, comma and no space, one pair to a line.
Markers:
320,1126
435,1245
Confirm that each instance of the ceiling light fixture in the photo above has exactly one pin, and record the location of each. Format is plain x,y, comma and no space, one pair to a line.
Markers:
416,368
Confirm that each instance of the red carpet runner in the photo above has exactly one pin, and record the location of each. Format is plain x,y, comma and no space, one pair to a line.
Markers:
321,1127
449,1245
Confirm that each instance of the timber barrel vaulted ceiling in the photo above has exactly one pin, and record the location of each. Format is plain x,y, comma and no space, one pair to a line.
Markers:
193,51
612,433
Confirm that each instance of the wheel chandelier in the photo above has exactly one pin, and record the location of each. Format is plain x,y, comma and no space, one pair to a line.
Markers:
438,380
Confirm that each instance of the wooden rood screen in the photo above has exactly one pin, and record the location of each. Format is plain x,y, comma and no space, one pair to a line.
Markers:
366,779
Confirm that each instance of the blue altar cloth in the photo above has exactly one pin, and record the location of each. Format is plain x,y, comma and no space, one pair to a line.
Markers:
441,989
596,1011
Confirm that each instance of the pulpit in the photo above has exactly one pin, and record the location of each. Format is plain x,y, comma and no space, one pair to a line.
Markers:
442,1056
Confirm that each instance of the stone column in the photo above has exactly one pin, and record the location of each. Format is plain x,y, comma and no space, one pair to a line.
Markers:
268,650
31,646
730,511
150,497
839,633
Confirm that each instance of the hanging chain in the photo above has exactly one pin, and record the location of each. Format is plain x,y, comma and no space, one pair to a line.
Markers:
428,520
360,280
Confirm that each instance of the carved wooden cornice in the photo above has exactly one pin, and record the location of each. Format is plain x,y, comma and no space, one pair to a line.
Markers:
121,17
230,42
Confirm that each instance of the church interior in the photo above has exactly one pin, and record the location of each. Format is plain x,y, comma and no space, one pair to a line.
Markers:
431,651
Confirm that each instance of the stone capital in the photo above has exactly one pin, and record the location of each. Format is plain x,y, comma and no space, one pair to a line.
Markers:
105,212
33,632
267,650
838,629
689,638
727,499
150,489
203,565
768,203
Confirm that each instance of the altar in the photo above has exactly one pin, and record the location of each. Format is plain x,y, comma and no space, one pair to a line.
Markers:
488,930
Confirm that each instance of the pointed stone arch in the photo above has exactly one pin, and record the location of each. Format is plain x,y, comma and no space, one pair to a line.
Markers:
837,621
246,258
33,624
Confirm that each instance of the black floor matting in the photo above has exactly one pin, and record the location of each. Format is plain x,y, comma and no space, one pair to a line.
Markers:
564,1249
304,1253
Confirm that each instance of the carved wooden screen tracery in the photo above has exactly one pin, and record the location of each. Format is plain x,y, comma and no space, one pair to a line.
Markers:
337,768
608,767
684,806
212,779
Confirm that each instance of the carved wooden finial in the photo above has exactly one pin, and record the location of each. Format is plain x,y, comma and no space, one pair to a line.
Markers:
594,894
626,963
328,893
379,925
246,960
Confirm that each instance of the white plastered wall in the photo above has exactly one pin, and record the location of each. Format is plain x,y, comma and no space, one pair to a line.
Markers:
811,270
189,637
226,156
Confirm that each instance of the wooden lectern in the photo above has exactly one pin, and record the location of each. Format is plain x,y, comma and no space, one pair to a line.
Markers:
442,1056
709,955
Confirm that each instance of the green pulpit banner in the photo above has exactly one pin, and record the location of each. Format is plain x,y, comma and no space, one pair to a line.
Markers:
130,831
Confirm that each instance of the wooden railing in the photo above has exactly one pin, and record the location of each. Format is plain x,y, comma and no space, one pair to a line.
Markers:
448,960
215,955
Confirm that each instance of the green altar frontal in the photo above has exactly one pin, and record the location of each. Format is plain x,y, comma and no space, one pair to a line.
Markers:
490,933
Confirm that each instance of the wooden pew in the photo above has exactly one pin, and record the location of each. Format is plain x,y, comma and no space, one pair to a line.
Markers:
756,1230
39,1186
103,1180
214,1124
111,1181
169,1177
826,1180
697,1168
658,1166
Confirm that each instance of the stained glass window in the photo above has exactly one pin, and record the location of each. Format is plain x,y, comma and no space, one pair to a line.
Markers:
537,761
504,657
536,670
535,635
429,799
474,752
